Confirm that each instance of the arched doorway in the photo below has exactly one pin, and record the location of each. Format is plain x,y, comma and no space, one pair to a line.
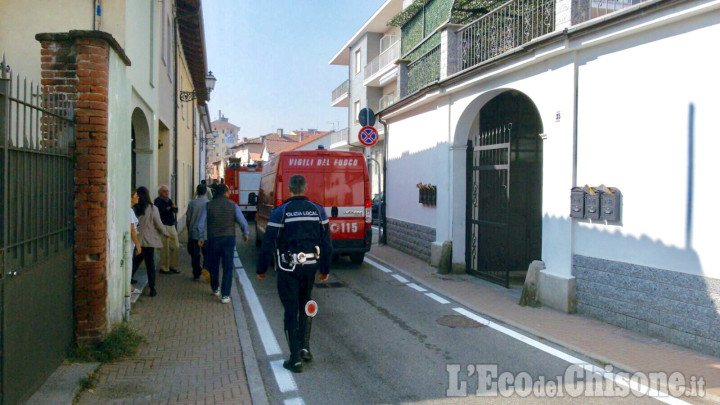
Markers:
504,189
141,150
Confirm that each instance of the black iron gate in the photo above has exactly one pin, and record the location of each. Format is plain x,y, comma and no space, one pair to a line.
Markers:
36,255
487,215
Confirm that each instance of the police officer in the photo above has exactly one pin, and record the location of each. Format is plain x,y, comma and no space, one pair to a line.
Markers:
298,239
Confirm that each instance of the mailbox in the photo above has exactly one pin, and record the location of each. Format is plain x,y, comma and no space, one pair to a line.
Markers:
592,205
577,202
610,204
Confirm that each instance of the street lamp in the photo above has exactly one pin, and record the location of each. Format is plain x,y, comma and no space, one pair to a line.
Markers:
209,86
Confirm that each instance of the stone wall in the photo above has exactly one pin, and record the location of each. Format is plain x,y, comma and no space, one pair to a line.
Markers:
410,238
675,307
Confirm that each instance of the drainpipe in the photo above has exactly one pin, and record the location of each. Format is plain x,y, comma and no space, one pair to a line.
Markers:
383,207
175,113
352,105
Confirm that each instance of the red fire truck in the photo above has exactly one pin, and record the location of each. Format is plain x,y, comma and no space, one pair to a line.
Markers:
336,180
244,185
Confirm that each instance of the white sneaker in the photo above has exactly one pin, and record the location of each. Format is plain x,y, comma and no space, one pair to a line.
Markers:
216,292
225,299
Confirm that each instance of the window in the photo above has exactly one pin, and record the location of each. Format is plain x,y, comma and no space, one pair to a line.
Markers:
387,100
356,110
358,61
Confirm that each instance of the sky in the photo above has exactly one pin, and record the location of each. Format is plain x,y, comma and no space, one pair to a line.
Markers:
270,58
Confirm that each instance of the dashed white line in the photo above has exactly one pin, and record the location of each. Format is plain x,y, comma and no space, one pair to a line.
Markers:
437,298
378,266
416,287
285,380
400,278
266,334
294,401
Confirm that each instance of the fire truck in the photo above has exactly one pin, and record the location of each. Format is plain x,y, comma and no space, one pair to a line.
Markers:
244,185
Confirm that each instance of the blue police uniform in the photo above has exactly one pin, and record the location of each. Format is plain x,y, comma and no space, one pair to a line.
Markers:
298,239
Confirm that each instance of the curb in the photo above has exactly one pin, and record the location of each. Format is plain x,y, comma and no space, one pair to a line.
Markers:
258,395
598,358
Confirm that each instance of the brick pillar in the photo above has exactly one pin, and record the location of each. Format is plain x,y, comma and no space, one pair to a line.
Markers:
76,65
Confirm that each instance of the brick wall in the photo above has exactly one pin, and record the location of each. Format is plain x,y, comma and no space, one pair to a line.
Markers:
75,65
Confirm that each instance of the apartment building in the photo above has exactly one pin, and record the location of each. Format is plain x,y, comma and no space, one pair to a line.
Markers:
370,57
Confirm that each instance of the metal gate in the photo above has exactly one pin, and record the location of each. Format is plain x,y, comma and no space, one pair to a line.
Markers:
487,213
36,255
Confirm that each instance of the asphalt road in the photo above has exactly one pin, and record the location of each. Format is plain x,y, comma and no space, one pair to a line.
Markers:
377,340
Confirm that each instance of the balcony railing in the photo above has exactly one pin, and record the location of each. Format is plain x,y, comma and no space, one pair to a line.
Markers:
339,136
387,57
507,27
341,90
423,71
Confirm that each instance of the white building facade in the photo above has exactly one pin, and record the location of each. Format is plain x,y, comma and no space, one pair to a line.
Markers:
492,146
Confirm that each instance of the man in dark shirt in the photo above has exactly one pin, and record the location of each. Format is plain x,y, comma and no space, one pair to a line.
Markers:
298,238
216,225
169,252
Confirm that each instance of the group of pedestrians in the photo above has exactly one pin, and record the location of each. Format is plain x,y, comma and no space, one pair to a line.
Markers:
297,242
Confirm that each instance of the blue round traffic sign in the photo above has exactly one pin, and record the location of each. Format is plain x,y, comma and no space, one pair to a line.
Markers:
368,136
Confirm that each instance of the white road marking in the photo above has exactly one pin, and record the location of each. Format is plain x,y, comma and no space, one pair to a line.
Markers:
437,298
284,378
266,334
378,266
237,262
400,278
653,393
294,401
416,287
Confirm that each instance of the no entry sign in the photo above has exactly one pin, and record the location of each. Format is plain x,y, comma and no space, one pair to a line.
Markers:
368,136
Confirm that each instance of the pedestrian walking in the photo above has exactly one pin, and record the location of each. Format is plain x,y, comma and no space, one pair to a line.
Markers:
298,238
152,232
136,249
217,226
192,217
169,252
208,193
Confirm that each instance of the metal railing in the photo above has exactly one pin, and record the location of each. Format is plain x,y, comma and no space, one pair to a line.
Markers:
425,70
387,57
341,90
36,167
505,28
339,136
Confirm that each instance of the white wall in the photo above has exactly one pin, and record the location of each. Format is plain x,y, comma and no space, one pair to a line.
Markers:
634,100
634,92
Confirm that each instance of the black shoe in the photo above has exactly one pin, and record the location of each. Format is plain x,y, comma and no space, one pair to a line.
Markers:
164,272
294,367
174,271
153,292
305,355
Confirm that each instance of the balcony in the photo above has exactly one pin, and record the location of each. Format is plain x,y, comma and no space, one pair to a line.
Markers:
497,33
340,95
339,139
382,66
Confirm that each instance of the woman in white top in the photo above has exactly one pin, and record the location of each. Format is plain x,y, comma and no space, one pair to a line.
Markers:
151,231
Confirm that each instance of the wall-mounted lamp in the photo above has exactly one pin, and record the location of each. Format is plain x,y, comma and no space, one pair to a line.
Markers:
160,144
209,86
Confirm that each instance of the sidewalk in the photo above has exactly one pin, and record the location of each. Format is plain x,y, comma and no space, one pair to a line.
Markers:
606,343
192,355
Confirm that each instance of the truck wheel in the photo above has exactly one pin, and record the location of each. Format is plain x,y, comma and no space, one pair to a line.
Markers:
357,258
